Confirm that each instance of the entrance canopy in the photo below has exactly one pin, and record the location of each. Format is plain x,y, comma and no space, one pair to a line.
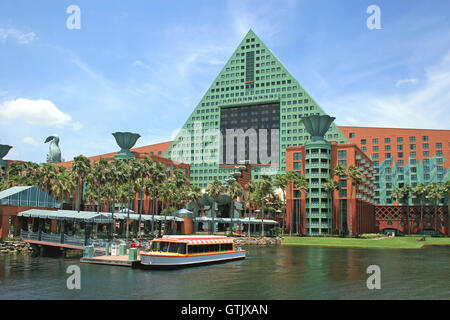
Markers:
90,216
235,220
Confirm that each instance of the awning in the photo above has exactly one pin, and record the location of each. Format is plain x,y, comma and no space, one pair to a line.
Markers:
85,216
90,216
235,220
209,241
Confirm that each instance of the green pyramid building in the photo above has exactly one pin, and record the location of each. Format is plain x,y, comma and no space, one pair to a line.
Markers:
253,91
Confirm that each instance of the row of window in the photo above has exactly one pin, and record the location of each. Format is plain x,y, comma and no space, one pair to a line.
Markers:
411,154
388,140
399,140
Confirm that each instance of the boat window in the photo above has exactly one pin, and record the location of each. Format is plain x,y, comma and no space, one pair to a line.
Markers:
216,247
154,246
163,246
226,246
177,248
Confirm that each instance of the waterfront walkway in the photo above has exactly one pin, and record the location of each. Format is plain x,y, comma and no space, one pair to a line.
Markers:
120,260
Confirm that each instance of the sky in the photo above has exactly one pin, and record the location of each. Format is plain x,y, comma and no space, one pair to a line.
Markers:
143,65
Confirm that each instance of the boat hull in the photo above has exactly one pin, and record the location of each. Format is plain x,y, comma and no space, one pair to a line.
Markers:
162,261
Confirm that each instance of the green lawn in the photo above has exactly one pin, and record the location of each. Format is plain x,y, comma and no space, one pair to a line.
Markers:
405,242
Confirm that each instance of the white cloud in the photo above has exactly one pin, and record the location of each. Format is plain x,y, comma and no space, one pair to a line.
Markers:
18,35
406,81
34,112
77,126
424,106
30,140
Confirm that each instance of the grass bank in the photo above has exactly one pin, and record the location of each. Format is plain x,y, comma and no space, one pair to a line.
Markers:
405,242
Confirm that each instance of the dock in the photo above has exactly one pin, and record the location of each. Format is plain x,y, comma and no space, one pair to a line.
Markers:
120,260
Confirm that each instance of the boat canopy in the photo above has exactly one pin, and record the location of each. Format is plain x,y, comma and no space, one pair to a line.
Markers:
196,239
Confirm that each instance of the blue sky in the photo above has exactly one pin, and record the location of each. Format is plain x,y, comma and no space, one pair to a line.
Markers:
143,66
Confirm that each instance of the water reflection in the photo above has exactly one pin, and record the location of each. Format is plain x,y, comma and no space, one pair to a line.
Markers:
267,273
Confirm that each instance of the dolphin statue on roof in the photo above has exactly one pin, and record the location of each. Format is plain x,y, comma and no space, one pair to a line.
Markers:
54,156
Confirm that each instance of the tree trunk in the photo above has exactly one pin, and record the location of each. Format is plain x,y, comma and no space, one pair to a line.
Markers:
448,213
231,216
421,215
435,219
350,231
213,211
407,216
249,214
285,209
332,216
291,218
262,219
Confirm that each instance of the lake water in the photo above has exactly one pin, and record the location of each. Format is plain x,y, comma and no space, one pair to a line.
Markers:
277,272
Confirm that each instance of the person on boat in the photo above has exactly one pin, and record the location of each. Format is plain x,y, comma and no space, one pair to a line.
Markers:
132,244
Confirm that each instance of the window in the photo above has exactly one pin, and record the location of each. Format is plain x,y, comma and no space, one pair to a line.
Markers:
438,145
387,155
375,141
425,146
412,146
297,156
387,147
399,140
375,148
399,147
387,140
424,138
363,141
297,165
351,135
412,139
342,154
400,155
342,163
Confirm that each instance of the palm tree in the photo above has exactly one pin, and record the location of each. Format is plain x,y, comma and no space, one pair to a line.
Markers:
63,186
47,174
263,188
356,177
2,179
330,187
435,194
234,191
80,171
291,177
281,181
123,194
194,194
135,170
250,200
301,184
98,177
446,191
341,172
214,190
405,193
166,196
159,175
396,195
420,192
